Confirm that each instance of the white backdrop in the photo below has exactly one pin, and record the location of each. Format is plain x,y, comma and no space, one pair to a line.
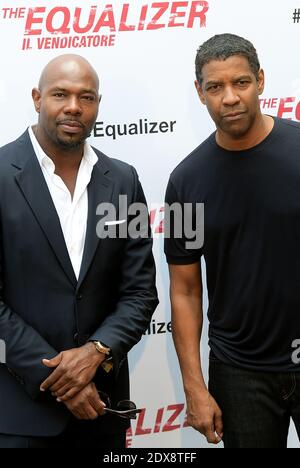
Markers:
146,66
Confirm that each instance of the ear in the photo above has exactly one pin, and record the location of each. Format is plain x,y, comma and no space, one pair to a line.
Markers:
200,92
261,82
36,96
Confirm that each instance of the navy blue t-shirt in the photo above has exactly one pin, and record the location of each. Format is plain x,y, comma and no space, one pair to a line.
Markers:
251,245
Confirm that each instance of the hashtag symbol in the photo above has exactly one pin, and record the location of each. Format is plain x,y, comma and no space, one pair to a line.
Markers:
296,16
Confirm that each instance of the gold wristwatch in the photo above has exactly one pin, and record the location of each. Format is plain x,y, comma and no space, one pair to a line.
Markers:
102,349
107,364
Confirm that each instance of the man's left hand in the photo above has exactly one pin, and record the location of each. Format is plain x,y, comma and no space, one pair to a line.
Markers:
75,369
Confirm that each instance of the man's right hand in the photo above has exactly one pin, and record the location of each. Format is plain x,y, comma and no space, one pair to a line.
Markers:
86,404
205,416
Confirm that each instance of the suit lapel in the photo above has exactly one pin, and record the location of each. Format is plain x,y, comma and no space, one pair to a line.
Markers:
33,185
31,181
100,190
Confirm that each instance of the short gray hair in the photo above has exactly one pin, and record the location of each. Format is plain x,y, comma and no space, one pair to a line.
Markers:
223,46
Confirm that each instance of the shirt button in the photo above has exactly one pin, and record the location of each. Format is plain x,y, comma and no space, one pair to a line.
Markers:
79,297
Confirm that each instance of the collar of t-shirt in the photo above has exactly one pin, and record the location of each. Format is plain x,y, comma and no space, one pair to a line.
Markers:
72,213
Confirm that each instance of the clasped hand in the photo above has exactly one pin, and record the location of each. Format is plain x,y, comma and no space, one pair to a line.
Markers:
71,380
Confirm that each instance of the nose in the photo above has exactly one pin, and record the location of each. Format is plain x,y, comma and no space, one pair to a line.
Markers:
73,106
230,97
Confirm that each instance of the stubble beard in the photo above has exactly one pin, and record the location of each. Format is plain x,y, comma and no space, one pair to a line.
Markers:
72,144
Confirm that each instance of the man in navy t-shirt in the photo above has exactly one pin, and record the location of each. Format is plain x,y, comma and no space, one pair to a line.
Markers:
247,175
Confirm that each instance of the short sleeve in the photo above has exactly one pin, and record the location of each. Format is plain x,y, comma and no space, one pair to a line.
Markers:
181,221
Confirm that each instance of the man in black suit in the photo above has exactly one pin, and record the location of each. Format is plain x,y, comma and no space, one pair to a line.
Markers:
72,304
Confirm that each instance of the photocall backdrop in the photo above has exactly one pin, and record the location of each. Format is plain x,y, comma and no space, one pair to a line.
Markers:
144,53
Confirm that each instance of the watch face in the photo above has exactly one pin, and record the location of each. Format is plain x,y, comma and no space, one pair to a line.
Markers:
101,348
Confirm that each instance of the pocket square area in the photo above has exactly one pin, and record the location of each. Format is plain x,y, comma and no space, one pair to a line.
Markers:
115,223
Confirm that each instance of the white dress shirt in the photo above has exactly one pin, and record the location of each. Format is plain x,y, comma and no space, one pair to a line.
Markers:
72,213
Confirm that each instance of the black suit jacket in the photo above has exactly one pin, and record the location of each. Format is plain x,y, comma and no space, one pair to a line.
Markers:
44,309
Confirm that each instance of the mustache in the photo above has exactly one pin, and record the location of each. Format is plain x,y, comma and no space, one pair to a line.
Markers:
233,111
70,121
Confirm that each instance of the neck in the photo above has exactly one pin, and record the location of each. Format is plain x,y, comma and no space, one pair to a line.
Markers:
261,128
63,158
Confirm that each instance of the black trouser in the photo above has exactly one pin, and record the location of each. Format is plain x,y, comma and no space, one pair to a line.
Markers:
75,436
257,407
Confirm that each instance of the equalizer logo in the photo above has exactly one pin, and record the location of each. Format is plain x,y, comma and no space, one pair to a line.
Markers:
64,26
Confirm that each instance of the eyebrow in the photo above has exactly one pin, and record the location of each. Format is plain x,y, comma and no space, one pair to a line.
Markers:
235,80
243,77
89,91
82,91
212,83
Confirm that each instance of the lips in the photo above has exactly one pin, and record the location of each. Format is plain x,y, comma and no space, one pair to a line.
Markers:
233,115
71,126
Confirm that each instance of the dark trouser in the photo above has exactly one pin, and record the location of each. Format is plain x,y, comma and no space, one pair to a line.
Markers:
257,407
75,436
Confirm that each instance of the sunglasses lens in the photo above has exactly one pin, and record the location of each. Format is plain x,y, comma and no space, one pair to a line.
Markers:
125,409
126,405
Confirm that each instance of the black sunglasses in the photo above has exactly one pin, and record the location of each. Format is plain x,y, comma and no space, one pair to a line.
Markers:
125,409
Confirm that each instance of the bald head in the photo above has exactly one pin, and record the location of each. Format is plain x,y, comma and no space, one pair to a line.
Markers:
68,65
67,102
